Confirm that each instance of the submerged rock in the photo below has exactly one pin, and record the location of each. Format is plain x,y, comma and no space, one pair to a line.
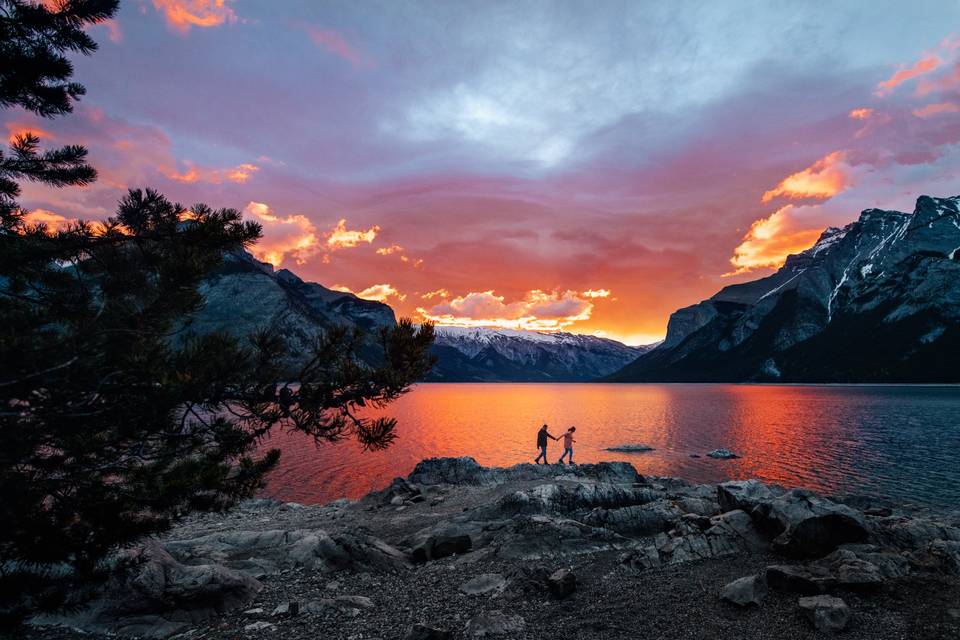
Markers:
630,448
722,454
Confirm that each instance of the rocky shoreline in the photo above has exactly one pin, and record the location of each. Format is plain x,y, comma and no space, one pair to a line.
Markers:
457,550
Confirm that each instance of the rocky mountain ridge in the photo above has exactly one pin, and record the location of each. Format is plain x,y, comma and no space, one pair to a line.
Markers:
505,355
875,301
245,295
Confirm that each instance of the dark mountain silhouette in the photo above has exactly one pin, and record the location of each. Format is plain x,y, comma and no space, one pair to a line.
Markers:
875,301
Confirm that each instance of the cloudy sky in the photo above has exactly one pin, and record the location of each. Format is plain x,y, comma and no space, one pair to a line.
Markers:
590,166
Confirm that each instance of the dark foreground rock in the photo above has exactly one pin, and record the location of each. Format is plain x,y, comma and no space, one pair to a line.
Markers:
456,550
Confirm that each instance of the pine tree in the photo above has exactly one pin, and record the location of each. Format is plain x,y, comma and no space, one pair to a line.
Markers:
35,74
112,425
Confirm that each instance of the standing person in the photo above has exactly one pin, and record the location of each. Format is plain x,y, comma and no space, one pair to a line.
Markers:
568,445
542,436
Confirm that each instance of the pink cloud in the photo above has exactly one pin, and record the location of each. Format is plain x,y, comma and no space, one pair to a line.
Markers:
936,109
919,68
334,43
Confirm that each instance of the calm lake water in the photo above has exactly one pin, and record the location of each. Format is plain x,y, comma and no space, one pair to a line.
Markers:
890,441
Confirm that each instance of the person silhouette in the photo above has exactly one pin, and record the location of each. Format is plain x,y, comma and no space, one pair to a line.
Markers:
568,446
542,436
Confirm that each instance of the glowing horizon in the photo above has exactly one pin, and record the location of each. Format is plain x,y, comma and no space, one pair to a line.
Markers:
592,174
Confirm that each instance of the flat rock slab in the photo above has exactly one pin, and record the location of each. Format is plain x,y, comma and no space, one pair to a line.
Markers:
484,583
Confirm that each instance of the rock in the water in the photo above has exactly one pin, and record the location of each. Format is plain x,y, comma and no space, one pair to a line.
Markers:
745,591
260,626
630,448
423,632
562,583
827,614
484,583
494,623
722,454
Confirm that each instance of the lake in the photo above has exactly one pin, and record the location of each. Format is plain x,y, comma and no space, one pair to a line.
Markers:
900,442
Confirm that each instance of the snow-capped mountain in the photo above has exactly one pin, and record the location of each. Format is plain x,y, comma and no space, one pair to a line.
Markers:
500,355
878,300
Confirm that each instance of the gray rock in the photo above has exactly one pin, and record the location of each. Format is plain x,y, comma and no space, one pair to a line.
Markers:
750,590
494,623
827,614
803,523
286,609
423,632
396,501
562,583
359,602
484,583
797,579
260,626
722,454
274,549
441,545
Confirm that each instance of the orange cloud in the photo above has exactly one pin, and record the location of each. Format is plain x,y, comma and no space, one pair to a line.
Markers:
239,174
53,221
394,248
341,237
823,179
436,293
538,311
919,68
378,292
861,114
184,14
770,240
293,235
936,109
15,129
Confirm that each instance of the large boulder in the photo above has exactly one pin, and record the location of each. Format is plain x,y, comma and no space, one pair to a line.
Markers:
152,595
801,523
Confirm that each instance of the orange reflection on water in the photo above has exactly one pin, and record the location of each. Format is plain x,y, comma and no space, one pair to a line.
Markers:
825,438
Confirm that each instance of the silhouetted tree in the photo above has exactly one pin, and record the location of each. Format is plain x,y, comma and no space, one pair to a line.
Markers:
35,74
112,424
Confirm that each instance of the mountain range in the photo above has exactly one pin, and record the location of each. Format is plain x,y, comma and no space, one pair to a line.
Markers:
245,295
501,355
875,301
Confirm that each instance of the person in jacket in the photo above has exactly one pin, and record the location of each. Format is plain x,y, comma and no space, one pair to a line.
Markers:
542,436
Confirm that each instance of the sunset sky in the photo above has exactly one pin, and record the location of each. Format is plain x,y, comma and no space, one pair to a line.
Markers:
590,166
